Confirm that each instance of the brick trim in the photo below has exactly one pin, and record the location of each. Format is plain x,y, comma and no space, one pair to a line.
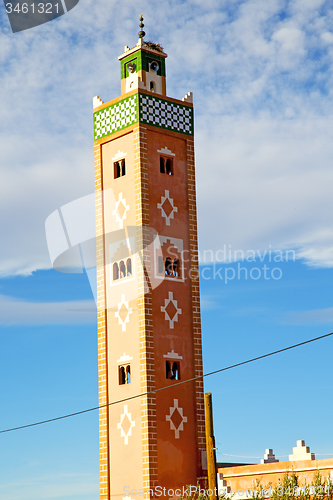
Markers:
195,292
147,378
102,331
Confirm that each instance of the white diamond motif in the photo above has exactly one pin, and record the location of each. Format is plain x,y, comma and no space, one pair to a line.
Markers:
121,306
125,433
160,206
121,210
169,418
171,300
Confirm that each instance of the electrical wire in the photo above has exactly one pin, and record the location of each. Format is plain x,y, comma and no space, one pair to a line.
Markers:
170,386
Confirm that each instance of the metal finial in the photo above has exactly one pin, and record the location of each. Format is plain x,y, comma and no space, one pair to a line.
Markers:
141,32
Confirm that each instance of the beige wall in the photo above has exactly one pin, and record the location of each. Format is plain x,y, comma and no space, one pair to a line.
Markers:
247,476
125,459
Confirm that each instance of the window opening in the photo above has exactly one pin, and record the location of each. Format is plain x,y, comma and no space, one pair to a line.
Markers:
119,168
124,375
175,371
115,271
122,378
129,267
175,267
152,86
128,374
171,267
166,165
172,370
122,269
168,266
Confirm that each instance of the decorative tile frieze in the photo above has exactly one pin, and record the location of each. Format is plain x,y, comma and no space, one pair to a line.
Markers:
143,108
165,114
116,117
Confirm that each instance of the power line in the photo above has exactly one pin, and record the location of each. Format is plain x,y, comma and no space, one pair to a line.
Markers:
170,386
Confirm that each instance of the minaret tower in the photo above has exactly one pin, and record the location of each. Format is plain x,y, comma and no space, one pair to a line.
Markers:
152,431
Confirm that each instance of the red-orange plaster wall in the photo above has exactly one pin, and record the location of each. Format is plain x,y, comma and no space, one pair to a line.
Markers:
154,456
177,458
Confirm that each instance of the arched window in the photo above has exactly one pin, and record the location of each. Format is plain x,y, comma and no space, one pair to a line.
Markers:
122,269
168,266
171,267
115,271
119,168
152,86
166,165
124,375
129,267
172,370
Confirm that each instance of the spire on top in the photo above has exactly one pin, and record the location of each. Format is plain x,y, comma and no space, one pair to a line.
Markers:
141,32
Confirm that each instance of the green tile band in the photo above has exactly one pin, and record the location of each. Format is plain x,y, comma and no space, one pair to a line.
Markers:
165,114
151,110
142,59
116,117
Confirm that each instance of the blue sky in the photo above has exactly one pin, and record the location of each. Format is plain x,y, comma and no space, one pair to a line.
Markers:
261,74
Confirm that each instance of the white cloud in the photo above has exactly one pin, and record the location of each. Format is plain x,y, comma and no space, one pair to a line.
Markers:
209,302
262,82
19,312
280,174
291,46
327,37
314,317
